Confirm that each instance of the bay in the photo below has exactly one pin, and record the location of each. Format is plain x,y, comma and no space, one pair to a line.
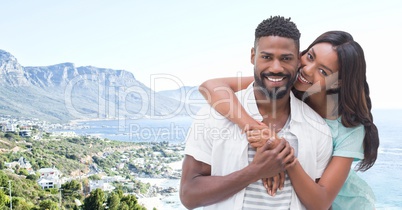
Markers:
384,177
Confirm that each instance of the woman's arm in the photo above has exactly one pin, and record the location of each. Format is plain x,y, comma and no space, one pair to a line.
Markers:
321,194
220,95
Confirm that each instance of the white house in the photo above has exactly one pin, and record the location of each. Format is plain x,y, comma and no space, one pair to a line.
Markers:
49,178
48,183
49,172
10,127
10,165
22,163
101,184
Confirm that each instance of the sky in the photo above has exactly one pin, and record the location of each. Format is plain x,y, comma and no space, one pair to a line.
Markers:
168,44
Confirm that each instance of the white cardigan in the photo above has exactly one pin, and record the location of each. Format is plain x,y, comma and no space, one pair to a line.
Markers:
216,141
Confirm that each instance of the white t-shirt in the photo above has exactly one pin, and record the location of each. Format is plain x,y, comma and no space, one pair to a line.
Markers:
216,141
256,196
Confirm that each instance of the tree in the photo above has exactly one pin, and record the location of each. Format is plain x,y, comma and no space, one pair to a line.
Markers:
95,200
113,201
48,205
131,202
73,185
119,191
21,204
23,171
32,177
10,136
3,179
123,206
4,199
94,177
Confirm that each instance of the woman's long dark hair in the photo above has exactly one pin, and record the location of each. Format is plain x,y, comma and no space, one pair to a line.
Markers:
353,93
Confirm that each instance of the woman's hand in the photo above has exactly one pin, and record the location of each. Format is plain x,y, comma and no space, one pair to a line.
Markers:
258,134
278,182
274,183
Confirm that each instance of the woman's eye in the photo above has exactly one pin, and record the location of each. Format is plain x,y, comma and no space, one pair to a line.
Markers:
309,56
323,72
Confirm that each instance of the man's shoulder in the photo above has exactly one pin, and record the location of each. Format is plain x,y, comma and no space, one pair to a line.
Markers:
302,111
308,119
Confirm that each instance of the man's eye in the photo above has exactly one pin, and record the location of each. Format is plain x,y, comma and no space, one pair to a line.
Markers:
266,57
287,58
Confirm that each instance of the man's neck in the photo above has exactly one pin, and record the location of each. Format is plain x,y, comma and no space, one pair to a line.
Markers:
274,112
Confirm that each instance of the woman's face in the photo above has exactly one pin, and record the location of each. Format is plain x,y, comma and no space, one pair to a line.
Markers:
319,69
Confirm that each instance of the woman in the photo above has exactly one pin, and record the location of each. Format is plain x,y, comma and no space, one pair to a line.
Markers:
331,80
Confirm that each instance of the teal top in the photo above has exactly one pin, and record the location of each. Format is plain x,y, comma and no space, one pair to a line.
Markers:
348,142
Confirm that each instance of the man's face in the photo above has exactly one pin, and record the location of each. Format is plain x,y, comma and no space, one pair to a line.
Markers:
275,60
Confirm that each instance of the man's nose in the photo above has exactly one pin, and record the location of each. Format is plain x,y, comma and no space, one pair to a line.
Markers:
276,66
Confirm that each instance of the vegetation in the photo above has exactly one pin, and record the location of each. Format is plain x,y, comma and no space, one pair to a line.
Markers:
77,156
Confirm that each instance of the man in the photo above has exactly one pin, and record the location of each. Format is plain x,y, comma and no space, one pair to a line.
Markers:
220,169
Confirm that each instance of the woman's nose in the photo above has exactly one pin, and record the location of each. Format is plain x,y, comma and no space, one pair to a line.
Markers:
307,70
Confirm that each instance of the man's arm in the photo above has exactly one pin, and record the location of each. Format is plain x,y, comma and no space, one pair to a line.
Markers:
199,188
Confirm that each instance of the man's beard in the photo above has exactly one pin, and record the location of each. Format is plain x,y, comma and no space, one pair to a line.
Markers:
277,92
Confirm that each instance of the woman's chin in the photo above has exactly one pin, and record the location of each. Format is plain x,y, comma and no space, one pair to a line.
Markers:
301,87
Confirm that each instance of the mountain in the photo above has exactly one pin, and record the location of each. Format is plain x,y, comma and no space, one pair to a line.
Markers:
184,93
63,92
192,98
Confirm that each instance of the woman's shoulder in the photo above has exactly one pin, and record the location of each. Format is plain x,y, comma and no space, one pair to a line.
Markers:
336,126
347,141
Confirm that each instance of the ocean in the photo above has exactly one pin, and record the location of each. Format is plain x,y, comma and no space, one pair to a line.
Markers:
384,177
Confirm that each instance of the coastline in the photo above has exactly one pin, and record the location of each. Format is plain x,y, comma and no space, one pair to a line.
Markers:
168,202
76,121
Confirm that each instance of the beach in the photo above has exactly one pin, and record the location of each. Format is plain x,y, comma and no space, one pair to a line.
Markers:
171,201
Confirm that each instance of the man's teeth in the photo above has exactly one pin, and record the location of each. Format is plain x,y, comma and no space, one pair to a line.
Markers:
275,79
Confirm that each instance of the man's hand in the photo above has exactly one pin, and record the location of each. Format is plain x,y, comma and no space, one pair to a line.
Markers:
269,162
258,138
272,184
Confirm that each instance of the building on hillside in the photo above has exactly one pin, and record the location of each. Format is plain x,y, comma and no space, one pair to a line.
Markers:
24,163
25,133
21,163
3,126
100,184
49,178
10,127
11,165
63,134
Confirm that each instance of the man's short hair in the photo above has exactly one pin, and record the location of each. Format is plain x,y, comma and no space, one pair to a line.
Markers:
277,26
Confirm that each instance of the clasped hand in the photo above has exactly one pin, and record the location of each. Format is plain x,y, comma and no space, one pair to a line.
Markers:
274,155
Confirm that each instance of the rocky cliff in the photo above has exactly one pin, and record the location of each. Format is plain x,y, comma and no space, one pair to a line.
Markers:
63,92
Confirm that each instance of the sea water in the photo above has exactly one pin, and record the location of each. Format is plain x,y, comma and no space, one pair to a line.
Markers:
384,177
173,130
